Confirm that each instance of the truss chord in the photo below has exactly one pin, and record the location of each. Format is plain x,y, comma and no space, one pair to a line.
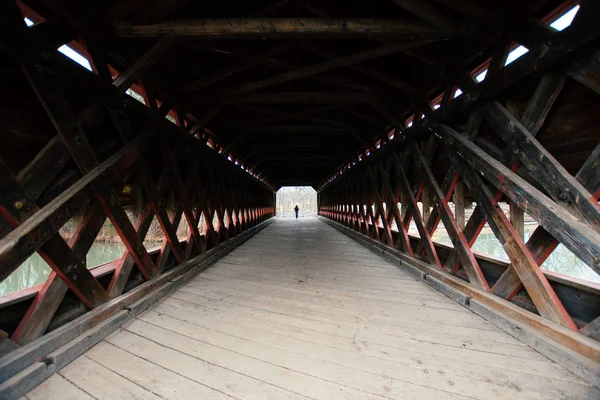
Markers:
542,294
577,236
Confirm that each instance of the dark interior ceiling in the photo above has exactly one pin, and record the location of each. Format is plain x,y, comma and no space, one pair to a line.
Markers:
295,106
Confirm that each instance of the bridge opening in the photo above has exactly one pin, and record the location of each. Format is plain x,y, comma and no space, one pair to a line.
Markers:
288,197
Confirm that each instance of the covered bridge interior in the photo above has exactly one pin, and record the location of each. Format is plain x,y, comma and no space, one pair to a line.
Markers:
168,127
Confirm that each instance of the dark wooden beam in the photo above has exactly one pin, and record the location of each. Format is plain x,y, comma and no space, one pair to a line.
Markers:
578,237
144,63
476,277
18,208
272,28
371,73
322,67
535,114
582,31
424,10
392,203
329,80
449,183
211,114
223,73
414,210
46,165
585,70
301,97
538,287
541,243
563,187
46,303
17,246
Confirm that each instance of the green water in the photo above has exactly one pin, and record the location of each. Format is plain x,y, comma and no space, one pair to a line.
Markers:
35,270
561,260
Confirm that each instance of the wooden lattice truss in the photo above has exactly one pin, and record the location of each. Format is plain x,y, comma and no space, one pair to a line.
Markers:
151,162
378,195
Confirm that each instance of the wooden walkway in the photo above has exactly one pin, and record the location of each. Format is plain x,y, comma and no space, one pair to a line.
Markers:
301,311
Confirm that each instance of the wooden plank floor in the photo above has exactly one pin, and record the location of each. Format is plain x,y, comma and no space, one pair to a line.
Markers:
301,311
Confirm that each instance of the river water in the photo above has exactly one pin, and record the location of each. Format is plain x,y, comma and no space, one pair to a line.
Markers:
35,270
561,260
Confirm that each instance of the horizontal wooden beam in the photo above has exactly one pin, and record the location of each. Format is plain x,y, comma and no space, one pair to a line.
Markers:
223,73
427,12
296,28
301,97
324,66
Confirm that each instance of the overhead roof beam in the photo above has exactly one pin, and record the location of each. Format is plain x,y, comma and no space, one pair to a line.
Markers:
329,80
283,28
143,64
221,74
428,13
301,115
300,97
323,67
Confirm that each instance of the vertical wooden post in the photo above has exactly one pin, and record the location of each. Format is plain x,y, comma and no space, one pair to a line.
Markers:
403,204
517,219
459,204
426,203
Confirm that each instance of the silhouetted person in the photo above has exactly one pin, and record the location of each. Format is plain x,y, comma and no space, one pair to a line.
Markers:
296,209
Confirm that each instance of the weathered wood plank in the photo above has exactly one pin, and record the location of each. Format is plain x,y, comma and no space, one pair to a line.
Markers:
563,187
44,306
533,118
585,70
144,63
17,207
47,164
41,226
574,234
541,243
538,288
280,28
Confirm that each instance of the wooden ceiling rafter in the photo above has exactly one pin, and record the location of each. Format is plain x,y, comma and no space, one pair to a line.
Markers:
284,28
378,108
